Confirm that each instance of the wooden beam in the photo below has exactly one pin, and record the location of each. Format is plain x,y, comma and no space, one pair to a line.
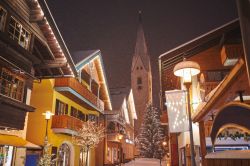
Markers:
202,142
57,61
50,72
51,65
61,71
198,116
244,14
39,53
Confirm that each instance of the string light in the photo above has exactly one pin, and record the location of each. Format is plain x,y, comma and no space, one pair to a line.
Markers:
89,135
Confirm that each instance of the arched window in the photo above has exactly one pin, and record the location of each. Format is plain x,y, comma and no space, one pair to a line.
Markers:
64,155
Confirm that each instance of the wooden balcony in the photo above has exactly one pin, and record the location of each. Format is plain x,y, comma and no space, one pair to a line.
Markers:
116,118
113,136
65,124
74,90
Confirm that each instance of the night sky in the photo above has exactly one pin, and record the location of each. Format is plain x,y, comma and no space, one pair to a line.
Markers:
111,25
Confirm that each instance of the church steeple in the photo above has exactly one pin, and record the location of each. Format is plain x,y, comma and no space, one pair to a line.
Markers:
141,77
141,49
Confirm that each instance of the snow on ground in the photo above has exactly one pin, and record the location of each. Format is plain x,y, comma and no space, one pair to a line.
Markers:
145,162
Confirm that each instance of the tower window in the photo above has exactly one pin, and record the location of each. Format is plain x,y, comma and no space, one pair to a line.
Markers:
141,67
137,68
139,81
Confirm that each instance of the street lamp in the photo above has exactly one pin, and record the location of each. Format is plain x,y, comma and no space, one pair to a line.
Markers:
187,69
46,158
164,143
48,116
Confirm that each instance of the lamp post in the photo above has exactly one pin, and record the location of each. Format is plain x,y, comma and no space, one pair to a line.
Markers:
185,70
48,116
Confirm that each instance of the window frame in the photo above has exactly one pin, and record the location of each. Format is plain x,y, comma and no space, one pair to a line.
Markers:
16,85
59,110
3,19
16,35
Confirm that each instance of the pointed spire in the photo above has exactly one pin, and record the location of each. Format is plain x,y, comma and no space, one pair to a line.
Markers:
141,46
140,17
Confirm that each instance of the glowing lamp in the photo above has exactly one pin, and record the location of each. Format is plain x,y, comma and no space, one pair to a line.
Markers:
120,137
164,143
48,115
186,69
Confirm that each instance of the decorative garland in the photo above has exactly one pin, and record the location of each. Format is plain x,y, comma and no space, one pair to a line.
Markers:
234,135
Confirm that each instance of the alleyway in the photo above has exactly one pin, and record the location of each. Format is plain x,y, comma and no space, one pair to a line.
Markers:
145,162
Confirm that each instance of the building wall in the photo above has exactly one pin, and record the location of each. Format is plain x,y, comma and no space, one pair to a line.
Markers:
142,96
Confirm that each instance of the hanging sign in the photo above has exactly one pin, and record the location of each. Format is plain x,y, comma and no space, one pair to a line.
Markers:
177,112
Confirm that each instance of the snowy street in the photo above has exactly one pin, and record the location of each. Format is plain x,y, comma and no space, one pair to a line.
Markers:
145,162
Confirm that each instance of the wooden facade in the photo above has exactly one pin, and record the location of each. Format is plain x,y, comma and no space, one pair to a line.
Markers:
216,52
30,49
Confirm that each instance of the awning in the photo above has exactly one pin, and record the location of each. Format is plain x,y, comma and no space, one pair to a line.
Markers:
13,140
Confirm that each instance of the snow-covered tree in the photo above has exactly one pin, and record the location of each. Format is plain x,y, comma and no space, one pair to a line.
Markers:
88,136
151,135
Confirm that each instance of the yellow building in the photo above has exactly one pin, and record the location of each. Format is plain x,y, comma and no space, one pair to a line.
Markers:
72,101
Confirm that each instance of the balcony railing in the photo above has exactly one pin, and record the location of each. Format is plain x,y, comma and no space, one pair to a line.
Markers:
113,135
116,118
207,87
75,85
65,124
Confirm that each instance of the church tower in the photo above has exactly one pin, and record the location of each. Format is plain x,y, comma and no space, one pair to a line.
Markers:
141,77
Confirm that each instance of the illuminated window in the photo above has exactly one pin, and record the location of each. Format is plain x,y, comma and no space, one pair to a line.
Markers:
11,85
3,14
18,33
61,108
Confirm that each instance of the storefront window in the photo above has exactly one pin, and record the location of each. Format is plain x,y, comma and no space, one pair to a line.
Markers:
11,85
64,155
3,14
18,33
